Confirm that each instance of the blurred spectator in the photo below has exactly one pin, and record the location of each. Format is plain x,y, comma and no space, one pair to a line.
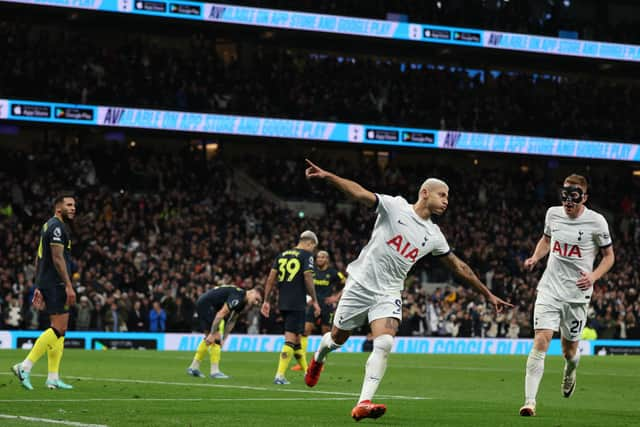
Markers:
137,319
589,333
84,311
514,329
114,319
157,318
13,317
170,246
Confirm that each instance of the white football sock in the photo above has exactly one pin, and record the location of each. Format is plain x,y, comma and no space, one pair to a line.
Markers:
53,376
214,368
326,346
535,369
195,364
571,365
376,365
27,365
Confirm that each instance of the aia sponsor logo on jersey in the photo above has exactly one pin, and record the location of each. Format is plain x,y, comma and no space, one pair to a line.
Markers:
404,247
567,250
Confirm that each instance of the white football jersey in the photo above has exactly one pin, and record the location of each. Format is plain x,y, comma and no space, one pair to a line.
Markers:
399,239
575,242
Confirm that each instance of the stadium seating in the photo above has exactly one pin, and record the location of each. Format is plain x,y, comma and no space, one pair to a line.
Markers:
530,17
179,227
200,75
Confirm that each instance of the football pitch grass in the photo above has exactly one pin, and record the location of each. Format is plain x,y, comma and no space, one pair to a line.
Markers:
148,388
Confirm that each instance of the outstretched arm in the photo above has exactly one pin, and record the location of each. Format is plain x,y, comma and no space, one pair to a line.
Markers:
352,189
462,271
542,249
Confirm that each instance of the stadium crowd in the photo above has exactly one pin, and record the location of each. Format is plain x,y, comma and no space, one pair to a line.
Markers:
544,17
83,65
493,221
154,231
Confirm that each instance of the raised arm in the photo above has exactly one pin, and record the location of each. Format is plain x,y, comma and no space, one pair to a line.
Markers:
352,189
541,251
462,271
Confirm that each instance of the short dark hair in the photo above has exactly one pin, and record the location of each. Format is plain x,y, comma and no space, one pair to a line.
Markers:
61,196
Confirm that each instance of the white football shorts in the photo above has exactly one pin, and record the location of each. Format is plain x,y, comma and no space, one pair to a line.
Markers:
568,317
359,304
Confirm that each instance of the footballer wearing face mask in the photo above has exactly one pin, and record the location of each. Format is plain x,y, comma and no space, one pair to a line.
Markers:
573,236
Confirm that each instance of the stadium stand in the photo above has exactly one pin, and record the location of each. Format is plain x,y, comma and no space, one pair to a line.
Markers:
605,21
197,73
164,227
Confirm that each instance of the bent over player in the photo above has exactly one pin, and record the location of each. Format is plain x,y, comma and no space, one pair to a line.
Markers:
224,303
573,236
403,233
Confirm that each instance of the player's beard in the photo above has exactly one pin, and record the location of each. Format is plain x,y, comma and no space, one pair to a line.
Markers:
67,220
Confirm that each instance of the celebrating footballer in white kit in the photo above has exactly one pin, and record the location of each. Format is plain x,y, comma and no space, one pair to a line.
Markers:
403,233
376,278
573,236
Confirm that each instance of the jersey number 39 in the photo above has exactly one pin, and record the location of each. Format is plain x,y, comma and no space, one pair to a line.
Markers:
288,268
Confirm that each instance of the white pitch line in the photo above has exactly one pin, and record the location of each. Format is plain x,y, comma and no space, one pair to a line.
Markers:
50,421
239,387
426,366
490,369
180,399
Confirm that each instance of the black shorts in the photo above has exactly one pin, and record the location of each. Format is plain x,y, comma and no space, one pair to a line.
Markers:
205,316
325,318
55,297
293,321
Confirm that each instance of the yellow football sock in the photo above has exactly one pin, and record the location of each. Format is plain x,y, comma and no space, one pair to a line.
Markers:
216,351
301,357
285,358
45,342
201,351
54,356
303,346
